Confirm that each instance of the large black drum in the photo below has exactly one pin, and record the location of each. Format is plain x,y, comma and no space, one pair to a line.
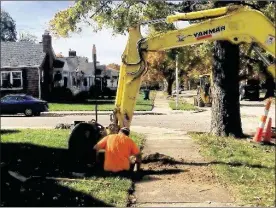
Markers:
82,139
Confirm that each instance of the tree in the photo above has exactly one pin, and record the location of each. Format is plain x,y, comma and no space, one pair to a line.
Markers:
226,63
199,60
161,65
226,109
26,36
8,27
59,55
226,118
114,66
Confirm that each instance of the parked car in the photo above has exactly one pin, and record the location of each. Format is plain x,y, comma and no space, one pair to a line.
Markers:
21,103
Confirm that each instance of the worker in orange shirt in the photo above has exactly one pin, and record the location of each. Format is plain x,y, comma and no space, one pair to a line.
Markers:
119,148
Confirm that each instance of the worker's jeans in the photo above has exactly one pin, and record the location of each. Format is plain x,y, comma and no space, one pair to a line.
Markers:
124,173
100,167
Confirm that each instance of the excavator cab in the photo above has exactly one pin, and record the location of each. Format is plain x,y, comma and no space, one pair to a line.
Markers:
203,96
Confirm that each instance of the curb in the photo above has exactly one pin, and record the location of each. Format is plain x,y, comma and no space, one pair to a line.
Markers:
92,113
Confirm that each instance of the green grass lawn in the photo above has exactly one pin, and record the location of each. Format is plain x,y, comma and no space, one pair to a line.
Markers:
182,105
252,179
141,105
29,149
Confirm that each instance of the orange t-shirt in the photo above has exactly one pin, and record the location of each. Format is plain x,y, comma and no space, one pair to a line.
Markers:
118,149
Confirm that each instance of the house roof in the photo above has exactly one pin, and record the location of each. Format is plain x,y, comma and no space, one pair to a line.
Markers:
87,68
81,64
111,72
73,62
21,54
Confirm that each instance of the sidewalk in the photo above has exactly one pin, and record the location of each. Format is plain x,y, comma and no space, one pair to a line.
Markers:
178,176
161,104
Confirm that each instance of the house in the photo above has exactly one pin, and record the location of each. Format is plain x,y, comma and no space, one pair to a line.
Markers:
112,76
27,67
78,74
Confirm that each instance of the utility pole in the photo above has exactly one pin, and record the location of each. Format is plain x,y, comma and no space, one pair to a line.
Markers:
176,81
94,58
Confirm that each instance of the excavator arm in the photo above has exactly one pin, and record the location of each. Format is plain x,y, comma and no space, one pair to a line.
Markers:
236,24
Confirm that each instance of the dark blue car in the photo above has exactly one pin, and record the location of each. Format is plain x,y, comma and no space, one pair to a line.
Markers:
21,103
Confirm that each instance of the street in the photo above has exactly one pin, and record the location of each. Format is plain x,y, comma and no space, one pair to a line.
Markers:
185,121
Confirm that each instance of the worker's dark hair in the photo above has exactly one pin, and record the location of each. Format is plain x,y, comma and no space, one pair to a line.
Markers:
125,131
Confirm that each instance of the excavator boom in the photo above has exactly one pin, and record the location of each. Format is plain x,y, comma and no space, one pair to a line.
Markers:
236,24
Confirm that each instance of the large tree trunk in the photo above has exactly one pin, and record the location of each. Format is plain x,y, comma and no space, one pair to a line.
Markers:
226,119
169,87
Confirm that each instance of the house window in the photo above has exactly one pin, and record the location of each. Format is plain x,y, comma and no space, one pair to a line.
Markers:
16,79
11,80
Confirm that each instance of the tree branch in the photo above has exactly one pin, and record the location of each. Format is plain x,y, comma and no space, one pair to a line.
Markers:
142,2
251,60
99,9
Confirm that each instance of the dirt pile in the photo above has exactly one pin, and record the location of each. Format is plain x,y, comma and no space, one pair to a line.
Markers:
160,158
159,161
167,168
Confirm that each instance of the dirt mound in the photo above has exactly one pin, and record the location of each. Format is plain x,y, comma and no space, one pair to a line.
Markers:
160,158
63,126
166,167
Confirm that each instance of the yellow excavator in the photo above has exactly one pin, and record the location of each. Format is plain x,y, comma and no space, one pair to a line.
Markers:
236,24
204,95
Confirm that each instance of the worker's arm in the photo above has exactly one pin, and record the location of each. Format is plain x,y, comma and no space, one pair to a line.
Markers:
135,151
138,158
101,144
238,25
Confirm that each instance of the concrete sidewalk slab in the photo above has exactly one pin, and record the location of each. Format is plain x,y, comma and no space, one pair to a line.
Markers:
181,193
157,132
161,103
185,179
205,204
183,148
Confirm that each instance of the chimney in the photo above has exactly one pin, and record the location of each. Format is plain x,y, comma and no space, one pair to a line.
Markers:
72,53
46,41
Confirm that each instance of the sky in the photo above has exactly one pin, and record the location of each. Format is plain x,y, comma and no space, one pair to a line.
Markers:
33,17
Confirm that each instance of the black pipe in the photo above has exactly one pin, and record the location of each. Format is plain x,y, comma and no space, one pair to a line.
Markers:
95,69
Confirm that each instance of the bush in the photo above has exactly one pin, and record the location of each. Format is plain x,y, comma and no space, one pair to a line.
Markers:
61,94
81,96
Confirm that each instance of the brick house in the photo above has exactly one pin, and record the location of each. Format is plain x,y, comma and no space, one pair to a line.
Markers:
27,67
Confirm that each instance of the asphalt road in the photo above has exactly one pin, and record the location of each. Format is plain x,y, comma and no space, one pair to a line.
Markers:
186,121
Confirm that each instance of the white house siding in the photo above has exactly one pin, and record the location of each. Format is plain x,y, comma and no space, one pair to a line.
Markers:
80,64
